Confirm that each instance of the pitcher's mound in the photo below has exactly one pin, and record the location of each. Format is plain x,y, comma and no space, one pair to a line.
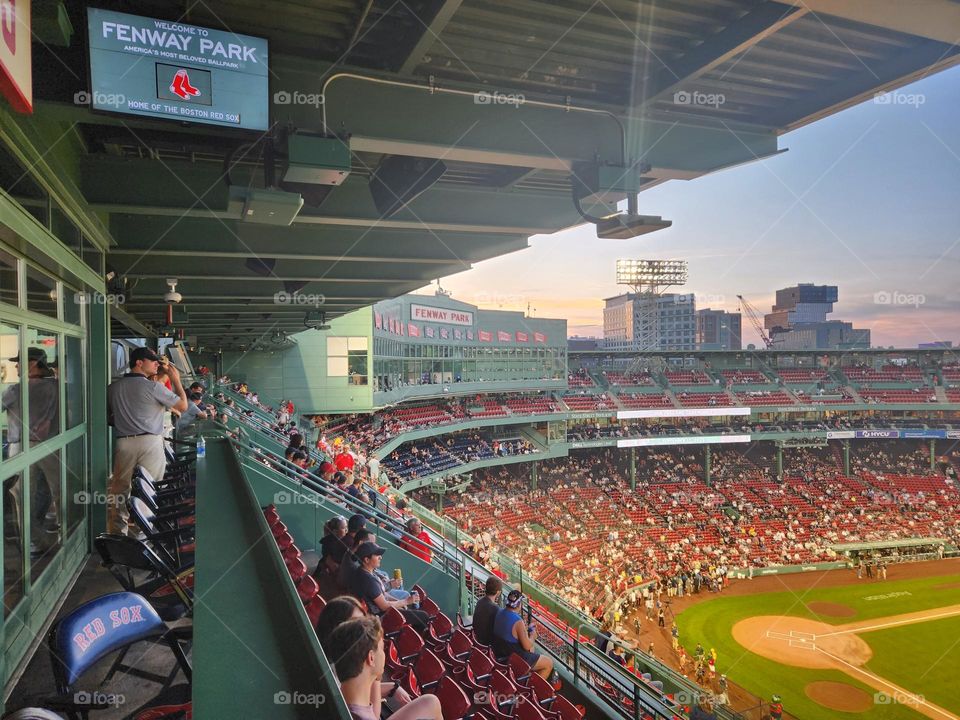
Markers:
830,609
839,696
800,642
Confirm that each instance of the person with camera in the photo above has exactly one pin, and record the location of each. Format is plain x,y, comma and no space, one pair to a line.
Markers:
137,403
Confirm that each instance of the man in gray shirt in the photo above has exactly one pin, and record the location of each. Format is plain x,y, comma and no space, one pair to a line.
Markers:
137,404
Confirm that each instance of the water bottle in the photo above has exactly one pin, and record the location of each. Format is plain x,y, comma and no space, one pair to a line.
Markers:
201,447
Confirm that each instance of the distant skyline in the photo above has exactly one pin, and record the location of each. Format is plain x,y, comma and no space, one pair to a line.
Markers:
868,200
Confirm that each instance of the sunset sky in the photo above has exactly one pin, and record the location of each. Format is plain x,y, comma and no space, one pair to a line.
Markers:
868,199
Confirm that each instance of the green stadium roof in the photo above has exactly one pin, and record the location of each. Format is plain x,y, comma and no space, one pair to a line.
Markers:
599,80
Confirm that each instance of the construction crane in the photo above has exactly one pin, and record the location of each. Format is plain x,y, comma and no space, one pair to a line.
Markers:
754,316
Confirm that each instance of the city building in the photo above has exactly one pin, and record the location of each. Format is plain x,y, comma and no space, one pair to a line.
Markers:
632,321
719,330
798,321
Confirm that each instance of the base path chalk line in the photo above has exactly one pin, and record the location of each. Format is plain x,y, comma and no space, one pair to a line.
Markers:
913,618
919,703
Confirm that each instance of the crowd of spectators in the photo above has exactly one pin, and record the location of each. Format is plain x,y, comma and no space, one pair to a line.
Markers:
585,534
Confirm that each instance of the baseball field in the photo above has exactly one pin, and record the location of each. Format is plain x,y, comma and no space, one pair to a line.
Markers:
833,646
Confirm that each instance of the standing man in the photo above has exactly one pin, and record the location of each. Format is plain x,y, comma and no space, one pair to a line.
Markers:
136,405
373,468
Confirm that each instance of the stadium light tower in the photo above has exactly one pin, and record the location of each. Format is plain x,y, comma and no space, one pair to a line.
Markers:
649,279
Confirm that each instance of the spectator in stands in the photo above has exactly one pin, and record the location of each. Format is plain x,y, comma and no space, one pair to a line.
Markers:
367,586
344,460
193,413
326,471
332,546
486,611
350,564
356,648
373,468
136,406
356,523
421,547
511,635
338,611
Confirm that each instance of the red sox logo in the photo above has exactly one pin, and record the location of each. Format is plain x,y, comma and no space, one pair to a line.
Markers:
96,629
181,85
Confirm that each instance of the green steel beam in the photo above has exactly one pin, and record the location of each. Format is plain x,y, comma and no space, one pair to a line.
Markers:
138,233
431,33
146,186
151,266
909,65
759,23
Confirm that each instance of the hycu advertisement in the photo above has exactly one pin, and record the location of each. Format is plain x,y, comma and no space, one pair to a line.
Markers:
157,68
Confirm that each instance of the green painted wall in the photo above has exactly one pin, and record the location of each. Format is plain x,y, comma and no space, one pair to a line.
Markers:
299,373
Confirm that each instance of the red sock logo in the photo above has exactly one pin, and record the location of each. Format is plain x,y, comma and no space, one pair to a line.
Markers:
181,85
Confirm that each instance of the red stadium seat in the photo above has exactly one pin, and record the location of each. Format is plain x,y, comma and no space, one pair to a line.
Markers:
409,644
429,670
453,700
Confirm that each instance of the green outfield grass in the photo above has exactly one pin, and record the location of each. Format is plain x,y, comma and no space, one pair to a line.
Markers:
922,658
710,623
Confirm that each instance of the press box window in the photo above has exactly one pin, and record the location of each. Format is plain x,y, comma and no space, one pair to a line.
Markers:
347,357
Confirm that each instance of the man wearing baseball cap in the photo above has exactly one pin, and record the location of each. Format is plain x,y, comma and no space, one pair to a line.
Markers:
511,635
137,404
43,398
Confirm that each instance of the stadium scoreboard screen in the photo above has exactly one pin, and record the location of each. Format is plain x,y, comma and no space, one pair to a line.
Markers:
177,71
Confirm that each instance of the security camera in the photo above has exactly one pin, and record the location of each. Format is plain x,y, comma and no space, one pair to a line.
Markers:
172,296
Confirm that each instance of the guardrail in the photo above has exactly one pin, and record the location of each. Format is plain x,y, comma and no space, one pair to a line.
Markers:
595,675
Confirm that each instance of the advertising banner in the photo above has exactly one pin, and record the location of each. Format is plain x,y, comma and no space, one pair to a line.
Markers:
867,434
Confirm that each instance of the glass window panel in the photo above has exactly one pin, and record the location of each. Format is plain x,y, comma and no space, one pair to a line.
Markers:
357,343
45,513
20,184
43,388
73,380
41,293
357,367
64,229
12,542
9,281
11,390
74,302
92,255
77,495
